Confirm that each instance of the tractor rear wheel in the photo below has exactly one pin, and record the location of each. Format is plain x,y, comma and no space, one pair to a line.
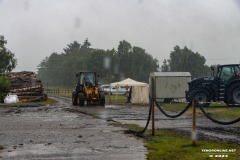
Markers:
233,94
201,95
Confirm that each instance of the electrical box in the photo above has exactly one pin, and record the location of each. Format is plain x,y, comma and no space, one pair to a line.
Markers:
169,84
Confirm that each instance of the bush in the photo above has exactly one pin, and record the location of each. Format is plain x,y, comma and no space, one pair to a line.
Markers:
4,87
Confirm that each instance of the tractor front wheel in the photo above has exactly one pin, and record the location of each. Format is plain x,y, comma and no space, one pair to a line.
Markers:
202,96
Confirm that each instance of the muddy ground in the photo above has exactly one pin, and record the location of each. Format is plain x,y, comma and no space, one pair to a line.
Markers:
61,132
134,114
68,132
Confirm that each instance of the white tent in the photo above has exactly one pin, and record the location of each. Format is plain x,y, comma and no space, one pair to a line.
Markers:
139,90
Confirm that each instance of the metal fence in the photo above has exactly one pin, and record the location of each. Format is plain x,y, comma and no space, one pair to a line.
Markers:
58,91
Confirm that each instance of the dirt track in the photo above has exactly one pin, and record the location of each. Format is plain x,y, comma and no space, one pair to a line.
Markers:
60,132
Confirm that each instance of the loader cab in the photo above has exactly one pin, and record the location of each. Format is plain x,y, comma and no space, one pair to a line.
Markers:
87,78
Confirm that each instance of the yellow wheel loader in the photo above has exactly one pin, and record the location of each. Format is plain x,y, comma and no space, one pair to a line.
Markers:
87,90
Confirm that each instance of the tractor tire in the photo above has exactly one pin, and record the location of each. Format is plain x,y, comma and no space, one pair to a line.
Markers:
202,96
81,99
233,93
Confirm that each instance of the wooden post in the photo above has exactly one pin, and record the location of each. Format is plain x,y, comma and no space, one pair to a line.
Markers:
194,136
153,126
152,104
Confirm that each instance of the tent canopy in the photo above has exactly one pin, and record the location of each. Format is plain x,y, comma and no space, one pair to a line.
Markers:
128,82
139,93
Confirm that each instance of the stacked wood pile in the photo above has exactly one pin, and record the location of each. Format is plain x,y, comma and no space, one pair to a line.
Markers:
26,86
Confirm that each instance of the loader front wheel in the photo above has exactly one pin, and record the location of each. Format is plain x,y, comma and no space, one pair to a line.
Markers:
74,101
81,99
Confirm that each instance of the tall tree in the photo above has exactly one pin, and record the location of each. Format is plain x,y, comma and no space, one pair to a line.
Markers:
123,56
185,60
112,65
73,48
7,60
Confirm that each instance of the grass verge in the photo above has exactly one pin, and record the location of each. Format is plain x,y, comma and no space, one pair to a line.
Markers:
172,145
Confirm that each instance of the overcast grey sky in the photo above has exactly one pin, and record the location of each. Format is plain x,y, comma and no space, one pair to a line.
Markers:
36,28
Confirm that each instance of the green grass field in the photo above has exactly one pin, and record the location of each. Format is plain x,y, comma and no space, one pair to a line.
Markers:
170,145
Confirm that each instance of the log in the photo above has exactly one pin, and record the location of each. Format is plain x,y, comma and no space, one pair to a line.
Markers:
27,86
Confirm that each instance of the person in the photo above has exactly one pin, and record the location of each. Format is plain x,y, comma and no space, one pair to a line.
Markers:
86,81
130,95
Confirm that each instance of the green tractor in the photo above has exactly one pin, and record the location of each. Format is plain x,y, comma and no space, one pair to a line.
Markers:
225,86
87,91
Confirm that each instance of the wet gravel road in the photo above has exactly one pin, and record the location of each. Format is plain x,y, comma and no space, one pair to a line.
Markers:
61,132
68,132
130,114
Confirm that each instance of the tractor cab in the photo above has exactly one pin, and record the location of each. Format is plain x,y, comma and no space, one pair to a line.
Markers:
228,72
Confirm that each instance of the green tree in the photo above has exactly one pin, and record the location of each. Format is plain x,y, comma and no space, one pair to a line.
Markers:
7,60
185,60
72,48
111,65
142,64
165,67
4,87
134,62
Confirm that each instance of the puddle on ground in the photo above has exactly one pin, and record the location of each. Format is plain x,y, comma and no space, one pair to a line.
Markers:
110,106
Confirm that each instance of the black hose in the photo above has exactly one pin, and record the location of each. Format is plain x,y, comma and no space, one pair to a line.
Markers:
173,116
140,133
218,121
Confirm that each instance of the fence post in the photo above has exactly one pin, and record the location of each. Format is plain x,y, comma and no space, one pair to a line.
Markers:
194,136
153,125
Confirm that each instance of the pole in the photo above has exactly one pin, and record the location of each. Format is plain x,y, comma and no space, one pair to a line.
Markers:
194,137
153,125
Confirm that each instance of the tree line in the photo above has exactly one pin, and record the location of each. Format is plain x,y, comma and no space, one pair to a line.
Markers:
185,60
112,65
